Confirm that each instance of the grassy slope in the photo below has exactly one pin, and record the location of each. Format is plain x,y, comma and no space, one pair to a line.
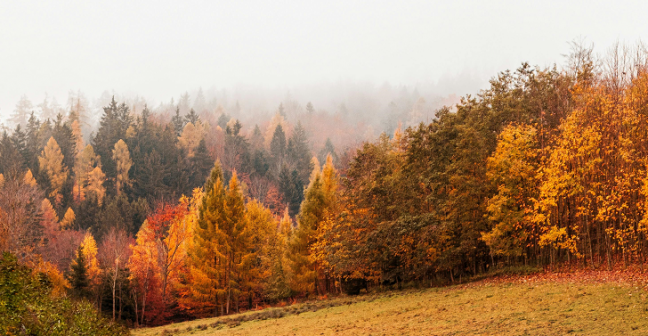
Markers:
599,304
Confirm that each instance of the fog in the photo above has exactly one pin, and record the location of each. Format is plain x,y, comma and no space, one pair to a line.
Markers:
352,57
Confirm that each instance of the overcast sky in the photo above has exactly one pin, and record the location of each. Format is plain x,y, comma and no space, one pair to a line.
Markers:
160,49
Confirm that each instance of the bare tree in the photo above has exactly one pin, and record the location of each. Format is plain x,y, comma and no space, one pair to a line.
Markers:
20,213
114,254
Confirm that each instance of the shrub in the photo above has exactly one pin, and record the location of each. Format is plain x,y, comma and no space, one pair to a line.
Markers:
27,306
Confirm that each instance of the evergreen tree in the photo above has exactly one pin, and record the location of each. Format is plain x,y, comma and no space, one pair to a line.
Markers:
79,275
328,149
115,121
278,149
192,117
299,154
10,158
178,122
20,115
200,166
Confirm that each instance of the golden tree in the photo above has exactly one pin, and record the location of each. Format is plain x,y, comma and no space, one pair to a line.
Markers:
123,163
51,162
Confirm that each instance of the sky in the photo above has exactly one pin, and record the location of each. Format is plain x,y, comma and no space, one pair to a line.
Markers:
160,49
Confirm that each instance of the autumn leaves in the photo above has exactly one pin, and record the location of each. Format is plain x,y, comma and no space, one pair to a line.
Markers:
220,251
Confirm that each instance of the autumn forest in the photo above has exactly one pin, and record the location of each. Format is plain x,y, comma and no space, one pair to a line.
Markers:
162,215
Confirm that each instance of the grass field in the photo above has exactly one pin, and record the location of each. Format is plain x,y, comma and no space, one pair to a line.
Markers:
601,303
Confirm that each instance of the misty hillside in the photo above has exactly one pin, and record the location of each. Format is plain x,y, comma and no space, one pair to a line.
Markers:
332,167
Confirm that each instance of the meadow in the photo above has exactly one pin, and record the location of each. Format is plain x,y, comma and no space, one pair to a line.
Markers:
582,303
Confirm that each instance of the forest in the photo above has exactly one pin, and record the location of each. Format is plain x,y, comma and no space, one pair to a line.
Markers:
155,217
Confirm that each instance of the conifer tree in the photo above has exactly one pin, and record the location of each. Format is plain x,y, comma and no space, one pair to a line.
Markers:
29,179
68,219
192,117
79,275
299,154
302,264
205,276
178,122
234,236
20,116
123,163
327,150
278,282
278,146
115,121
51,162
96,180
89,248
192,135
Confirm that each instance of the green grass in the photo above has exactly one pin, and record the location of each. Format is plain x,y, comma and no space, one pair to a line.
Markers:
518,307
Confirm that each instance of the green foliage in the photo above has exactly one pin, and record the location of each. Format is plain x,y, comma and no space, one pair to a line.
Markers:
27,307
79,275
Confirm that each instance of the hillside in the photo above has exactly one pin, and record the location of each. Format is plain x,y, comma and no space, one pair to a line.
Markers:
591,303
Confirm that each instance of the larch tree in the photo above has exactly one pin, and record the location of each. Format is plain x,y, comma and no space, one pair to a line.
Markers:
68,219
96,179
85,162
190,138
277,282
51,162
302,263
234,240
205,277
262,227
123,163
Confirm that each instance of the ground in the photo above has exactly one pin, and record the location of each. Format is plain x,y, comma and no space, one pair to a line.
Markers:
580,303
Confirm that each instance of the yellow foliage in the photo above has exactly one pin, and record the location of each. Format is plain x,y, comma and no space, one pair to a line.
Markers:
123,163
29,178
68,219
51,162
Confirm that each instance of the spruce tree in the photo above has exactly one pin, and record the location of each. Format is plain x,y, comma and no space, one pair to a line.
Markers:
299,154
78,276
278,145
191,117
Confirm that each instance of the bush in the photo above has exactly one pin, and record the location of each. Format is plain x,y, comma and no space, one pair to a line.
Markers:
28,307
